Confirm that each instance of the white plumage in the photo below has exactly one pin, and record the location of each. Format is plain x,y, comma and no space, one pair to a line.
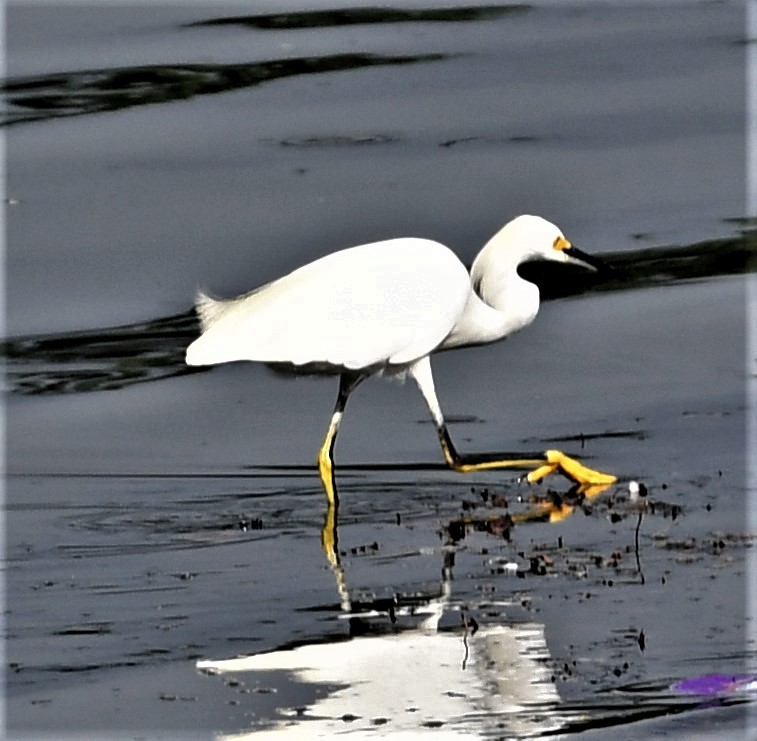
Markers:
386,306
366,306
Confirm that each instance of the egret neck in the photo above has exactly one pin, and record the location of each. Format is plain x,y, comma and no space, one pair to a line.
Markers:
500,301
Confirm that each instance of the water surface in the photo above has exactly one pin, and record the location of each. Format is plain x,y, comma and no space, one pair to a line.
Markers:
161,522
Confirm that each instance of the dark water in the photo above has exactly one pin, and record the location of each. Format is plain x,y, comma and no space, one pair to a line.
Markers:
161,521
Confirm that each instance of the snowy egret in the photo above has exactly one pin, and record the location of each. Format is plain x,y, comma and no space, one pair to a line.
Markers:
383,308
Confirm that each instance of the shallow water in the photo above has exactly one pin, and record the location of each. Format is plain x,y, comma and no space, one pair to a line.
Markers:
161,521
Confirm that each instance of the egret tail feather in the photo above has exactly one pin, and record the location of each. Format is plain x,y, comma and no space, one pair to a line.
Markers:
209,309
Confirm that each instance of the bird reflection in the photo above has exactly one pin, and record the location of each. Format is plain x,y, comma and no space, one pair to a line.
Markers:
402,667
553,507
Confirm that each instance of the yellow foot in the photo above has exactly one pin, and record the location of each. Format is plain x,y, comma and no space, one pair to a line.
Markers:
557,461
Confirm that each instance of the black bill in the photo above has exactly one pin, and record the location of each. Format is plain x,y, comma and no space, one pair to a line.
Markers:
588,260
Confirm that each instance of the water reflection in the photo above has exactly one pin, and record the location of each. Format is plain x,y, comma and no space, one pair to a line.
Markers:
420,660
414,680
396,673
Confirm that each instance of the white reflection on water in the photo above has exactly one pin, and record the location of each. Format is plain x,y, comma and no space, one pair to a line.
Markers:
460,683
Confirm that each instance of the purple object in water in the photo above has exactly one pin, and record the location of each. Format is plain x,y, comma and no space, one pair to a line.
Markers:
717,684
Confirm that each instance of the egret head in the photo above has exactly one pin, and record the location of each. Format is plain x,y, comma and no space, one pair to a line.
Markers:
536,238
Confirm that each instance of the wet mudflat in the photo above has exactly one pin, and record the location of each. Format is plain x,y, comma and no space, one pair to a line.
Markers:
160,523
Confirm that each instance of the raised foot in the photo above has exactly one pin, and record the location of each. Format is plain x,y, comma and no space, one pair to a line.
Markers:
571,468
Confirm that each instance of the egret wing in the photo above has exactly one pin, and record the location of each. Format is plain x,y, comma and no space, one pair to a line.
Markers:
381,303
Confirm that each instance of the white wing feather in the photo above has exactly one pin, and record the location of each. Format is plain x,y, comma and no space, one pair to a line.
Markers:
382,303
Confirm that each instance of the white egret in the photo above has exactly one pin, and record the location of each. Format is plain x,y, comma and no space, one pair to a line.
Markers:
383,308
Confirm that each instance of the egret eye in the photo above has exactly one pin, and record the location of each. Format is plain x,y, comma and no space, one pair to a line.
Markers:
561,244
